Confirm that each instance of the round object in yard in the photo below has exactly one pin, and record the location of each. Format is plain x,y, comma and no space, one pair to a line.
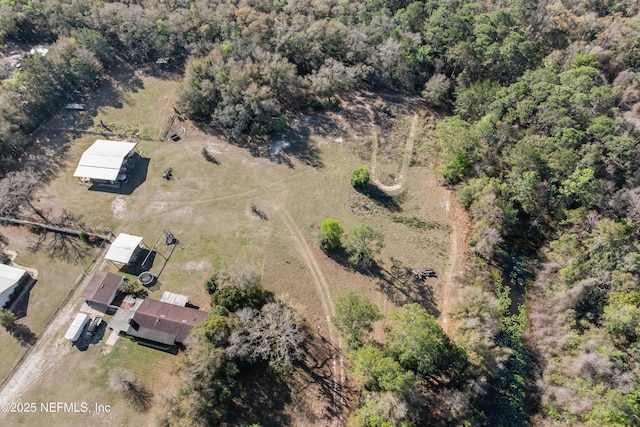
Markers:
146,278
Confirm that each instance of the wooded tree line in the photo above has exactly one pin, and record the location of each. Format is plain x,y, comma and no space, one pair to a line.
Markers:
35,91
547,166
250,62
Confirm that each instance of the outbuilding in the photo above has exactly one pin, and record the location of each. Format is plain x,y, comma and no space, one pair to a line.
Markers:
105,162
124,249
101,290
10,279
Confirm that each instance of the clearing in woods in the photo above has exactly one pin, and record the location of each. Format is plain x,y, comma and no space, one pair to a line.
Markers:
298,181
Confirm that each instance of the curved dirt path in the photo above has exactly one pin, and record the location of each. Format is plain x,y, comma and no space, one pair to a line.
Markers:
322,289
12,256
406,158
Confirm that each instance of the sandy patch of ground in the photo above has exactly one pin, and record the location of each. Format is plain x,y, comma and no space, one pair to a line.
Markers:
119,207
197,265
201,183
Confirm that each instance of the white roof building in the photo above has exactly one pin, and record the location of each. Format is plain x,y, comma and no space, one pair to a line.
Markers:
123,248
78,324
9,278
175,299
103,160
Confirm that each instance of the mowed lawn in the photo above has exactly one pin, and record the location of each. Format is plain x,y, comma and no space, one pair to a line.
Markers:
207,207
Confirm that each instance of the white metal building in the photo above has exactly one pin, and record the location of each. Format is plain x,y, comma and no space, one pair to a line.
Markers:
103,160
10,278
123,248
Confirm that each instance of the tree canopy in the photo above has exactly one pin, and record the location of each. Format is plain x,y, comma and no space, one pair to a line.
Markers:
354,318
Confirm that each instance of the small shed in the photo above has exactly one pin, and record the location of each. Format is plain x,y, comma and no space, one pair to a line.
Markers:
10,279
77,326
124,249
104,161
175,299
101,290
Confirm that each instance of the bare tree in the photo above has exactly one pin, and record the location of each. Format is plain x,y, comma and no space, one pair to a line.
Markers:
122,381
436,90
273,334
16,191
62,245
488,239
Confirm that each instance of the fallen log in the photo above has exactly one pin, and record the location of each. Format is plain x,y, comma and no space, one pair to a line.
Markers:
51,228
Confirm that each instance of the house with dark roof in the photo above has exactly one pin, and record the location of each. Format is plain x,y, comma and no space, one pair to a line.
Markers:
164,323
101,290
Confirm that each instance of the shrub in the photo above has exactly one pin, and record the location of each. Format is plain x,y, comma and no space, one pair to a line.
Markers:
360,177
133,288
330,233
362,244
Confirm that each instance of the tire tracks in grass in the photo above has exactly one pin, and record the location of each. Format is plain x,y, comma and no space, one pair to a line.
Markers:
406,158
322,289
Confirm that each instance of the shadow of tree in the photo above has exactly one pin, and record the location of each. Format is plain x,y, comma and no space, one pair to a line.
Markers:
301,147
401,288
262,398
387,201
23,334
61,246
279,148
174,70
139,396
317,365
341,256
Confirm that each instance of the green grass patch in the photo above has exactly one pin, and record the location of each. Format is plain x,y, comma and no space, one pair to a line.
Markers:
413,222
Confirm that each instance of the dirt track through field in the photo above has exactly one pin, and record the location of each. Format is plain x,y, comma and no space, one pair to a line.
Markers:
322,289
459,231
406,159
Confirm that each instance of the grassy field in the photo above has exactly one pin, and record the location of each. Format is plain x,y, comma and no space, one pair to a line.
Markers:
207,208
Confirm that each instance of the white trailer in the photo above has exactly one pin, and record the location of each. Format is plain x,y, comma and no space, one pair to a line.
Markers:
77,326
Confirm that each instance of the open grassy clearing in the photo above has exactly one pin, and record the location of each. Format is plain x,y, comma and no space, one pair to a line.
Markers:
207,208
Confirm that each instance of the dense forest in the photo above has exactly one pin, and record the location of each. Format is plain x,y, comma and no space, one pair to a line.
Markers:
541,107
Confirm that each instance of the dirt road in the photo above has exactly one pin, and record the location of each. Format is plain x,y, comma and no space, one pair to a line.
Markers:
458,244
322,289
